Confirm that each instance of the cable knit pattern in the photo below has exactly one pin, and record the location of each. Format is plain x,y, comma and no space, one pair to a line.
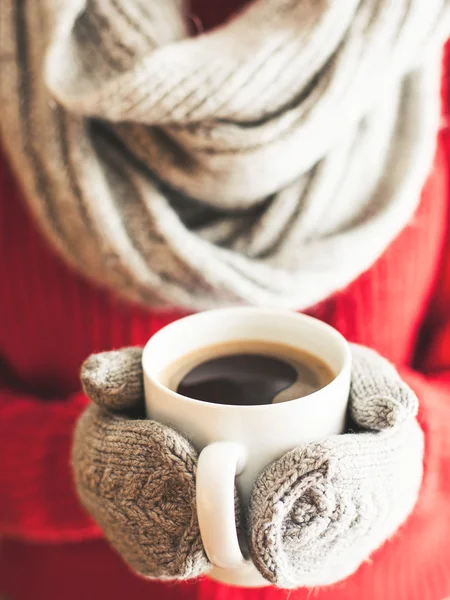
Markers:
269,161
135,476
318,512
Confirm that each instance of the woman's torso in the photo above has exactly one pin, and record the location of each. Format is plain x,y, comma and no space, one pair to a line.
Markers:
51,319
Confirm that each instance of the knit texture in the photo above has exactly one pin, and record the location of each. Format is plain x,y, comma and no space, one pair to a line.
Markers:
315,514
114,379
269,161
135,476
318,512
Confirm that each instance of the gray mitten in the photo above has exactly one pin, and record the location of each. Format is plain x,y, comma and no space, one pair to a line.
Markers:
319,511
135,476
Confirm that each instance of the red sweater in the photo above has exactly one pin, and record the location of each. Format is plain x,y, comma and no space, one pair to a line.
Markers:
51,319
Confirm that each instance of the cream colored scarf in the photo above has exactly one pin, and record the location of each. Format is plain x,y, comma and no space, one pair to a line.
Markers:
270,161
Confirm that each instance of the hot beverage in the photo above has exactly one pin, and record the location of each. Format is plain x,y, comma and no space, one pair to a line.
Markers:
248,373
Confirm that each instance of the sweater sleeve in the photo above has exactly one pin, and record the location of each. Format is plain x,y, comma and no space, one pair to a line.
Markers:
38,501
431,381
434,417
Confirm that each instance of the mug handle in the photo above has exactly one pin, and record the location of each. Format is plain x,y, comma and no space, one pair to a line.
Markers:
218,465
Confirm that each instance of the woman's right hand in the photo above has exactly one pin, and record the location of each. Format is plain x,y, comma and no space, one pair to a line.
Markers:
136,477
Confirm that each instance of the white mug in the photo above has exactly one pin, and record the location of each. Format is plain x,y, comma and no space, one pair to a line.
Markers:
237,442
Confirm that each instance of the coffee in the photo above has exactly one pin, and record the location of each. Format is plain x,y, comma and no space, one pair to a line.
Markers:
247,373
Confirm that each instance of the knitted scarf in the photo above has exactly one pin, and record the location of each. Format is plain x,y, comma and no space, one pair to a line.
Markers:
270,161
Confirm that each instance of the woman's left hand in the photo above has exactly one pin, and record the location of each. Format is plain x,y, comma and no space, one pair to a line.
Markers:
319,511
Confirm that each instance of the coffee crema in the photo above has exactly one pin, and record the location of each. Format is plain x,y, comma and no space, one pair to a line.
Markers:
247,373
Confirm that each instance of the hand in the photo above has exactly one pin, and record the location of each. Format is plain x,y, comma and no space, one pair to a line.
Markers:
319,511
135,476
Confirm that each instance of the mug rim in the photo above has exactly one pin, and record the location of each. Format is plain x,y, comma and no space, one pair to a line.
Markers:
149,346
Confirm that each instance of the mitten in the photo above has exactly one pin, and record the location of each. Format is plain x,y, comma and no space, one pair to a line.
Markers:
136,477
319,511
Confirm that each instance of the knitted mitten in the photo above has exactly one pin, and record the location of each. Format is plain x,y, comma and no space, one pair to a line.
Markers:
135,476
319,511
